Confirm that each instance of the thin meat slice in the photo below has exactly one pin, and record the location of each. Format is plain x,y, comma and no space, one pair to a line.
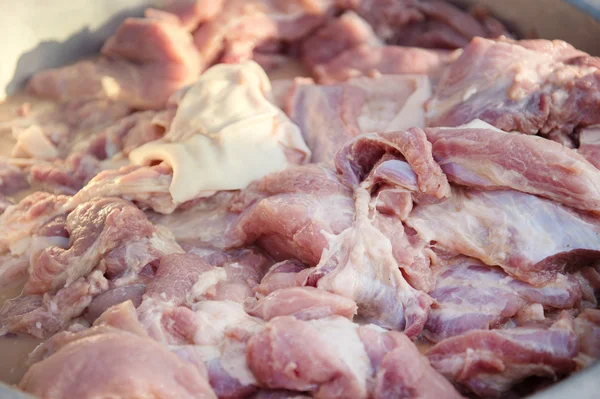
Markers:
369,60
530,238
290,214
304,303
145,62
359,264
113,297
492,159
490,362
532,87
114,363
342,360
337,36
473,296
109,233
329,116
284,274
147,186
587,326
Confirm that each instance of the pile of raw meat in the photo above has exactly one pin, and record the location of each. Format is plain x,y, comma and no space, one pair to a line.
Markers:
418,219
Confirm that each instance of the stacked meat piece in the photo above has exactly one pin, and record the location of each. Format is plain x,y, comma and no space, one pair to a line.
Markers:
413,221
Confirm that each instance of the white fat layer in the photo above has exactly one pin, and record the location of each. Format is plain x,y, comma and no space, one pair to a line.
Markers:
226,133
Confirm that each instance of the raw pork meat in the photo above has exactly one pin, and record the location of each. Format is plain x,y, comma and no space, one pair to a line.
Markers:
26,229
108,233
104,150
360,156
587,326
12,178
328,116
147,186
359,264
532,87
71,258
371,60
530,238
589,145
42,316
291,214
232,34
473,296
434,24
145,62
111,362
491,362
492,159
285,274
206,223
342,360
304,303
339,35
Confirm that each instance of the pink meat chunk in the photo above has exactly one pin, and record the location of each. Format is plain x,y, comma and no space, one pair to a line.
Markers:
42,316
341,34
114,363
304,303
491,159
490,362
530,238
527,86
369,60
145,62
290,214
112,297
26,229
214,335
473,296
237,274
341,361
241,26
175,277
433,24
329,116
108,233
